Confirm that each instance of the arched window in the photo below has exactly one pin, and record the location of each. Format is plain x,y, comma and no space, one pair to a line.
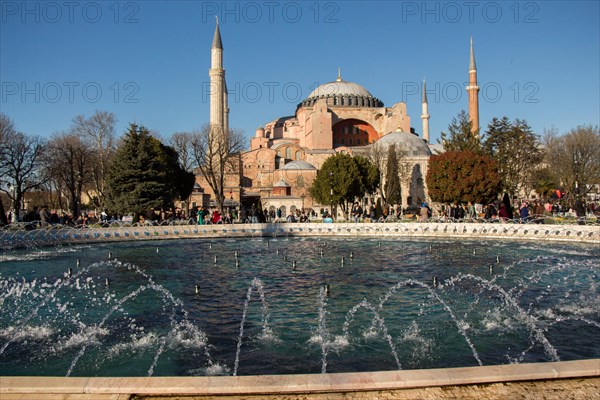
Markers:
288,153
360,132
298,155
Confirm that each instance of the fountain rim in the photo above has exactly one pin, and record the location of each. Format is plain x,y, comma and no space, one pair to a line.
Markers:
462,230
304,383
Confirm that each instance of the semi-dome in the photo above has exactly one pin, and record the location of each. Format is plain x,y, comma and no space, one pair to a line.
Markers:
408,143
299,165
342,94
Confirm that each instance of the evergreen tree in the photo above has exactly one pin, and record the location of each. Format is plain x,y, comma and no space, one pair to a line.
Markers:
145,175
460,137
543,182
182,179
369,175
393,192
342,178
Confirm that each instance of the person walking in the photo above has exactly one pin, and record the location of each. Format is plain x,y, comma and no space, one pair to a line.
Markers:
44,216
503,213
538,212
524,212
357,212
424,212
200,216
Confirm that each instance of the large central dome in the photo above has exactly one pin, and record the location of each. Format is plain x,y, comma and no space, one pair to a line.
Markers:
342,94
340,88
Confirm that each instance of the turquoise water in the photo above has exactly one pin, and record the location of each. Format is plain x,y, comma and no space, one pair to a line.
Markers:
170,309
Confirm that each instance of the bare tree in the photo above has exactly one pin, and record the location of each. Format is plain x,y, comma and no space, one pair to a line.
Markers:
378,155
181,142
67,163
574,159
20,157
216,154
5,125
98,132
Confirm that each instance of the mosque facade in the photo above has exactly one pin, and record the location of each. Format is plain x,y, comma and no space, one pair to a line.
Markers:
337,117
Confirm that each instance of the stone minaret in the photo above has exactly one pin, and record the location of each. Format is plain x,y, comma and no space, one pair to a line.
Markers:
425,114
225,108
473,91
218,98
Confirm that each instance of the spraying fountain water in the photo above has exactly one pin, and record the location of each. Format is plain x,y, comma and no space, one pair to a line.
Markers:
180,313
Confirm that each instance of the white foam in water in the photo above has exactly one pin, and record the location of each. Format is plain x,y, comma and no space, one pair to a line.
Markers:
214,370
138,343
548,249
370,333
338,343
582,306
268,336
88,335
421,347
37,255
494,320
188,335
26,332
547,313
315,339
413,333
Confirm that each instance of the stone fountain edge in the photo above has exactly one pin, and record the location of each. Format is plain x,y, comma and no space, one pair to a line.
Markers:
288,384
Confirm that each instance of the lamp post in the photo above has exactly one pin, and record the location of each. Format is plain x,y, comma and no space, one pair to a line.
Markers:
579,207
15,205
576,165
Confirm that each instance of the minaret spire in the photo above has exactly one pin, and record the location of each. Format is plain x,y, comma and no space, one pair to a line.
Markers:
472,66
473,92
217,44
218,96
425,113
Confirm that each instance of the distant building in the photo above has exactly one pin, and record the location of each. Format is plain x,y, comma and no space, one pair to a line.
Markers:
338,116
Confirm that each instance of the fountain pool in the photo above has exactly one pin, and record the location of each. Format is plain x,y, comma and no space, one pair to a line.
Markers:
294,305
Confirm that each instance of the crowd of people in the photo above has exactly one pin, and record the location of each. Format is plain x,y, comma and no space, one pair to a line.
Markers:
503,211
521,211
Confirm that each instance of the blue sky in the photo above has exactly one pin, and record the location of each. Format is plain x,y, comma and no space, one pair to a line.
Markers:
148,61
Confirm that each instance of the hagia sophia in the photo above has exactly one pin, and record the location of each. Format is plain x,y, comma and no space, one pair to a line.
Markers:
337,117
